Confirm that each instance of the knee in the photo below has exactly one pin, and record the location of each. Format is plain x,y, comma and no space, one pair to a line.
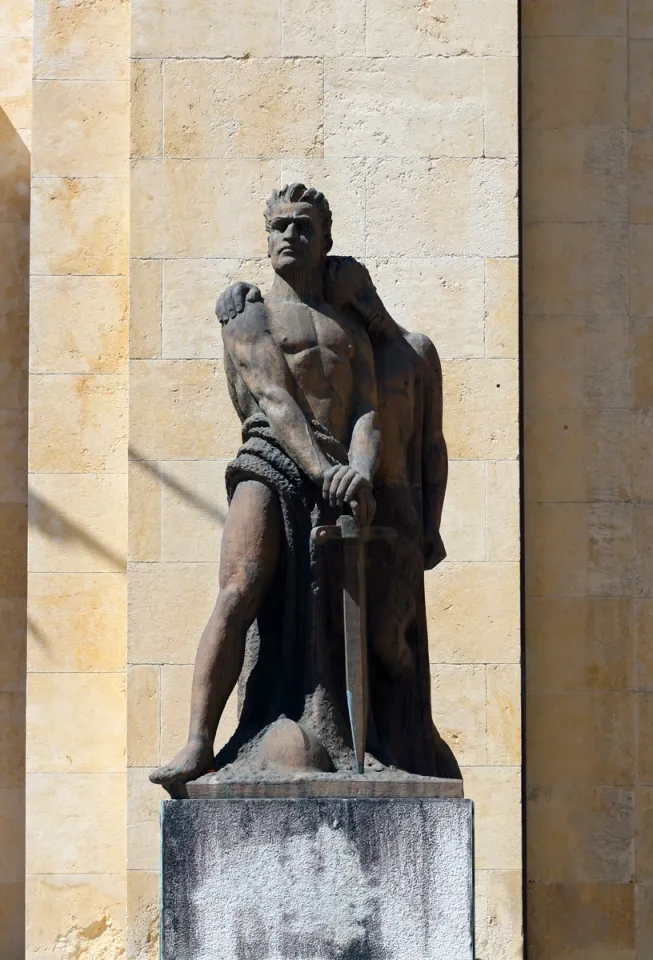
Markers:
235,602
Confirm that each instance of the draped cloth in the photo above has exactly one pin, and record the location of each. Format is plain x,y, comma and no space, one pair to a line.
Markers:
294,661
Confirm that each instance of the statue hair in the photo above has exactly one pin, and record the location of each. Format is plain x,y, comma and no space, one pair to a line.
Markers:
299,193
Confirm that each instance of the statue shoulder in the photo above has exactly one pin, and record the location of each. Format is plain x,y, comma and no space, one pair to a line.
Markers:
426,351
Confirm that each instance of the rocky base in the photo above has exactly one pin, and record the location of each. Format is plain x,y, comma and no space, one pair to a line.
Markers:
317,878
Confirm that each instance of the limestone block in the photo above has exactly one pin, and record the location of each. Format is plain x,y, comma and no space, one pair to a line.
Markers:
579,549
143,709
147,108
143,909
451,28
81,40
191,329
77,523
144,511
502,511
90,137
644,833
200,28
566,917
644,915
576,175
501,935
458,701
77,622
343,181
332,28
78,424
581,833
502,308
641,281
14,176
641,427
13,444
145,308
243,108
572,18
640,19
473,612
79,226
439,296
463,517
643,635
504,714
578,362
14,276
571,252
76,823
577,455
89,917
501,107
180,409
600,657
12,918
76,722
15,19
13,362
176,683
170,200
480,408
442,208
169,604
641,191
12,835
496,792
643,549
587,82
78,325
193,509
340,887
15,80
596,729
13,549
403,108
642,351
13,617
640,97
143,801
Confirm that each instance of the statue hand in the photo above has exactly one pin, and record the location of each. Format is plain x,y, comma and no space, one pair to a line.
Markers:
232,301
345,485
348,283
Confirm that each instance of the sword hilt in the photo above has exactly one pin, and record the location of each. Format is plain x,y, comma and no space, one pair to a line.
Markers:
347,528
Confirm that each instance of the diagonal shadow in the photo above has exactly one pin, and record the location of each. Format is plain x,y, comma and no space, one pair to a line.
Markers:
57,526
156,469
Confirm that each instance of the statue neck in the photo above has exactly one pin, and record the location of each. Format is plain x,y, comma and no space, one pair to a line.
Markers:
300,286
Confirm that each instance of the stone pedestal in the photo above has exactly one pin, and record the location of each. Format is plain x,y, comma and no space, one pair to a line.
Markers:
317,878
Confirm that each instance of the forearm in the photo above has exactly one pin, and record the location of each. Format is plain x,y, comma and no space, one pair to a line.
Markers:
365,445
293,432
436,469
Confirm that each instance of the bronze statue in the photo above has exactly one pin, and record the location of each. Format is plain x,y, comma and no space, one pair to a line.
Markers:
339,484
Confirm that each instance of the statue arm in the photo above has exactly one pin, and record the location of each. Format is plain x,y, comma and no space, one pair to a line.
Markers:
263,368
435,466
365,445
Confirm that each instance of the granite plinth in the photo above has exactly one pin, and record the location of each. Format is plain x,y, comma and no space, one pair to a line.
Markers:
317,878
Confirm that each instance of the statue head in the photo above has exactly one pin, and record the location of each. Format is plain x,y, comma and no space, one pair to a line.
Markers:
298,224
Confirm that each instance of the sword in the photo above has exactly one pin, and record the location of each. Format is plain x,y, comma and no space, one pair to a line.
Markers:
354,606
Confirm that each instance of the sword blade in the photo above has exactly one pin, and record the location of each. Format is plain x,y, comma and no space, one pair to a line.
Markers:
355,622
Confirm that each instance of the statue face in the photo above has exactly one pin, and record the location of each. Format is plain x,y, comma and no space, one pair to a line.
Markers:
296,238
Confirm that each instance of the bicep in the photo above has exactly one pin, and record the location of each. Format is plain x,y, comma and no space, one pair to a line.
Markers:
364,373
259,361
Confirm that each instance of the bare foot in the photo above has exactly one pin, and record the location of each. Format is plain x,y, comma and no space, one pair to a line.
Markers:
192,762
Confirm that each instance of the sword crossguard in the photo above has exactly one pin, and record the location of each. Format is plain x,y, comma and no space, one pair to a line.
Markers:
347,528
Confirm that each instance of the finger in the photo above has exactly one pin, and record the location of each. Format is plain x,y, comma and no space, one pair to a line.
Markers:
219,308
326,483
353,488
350,479
336,480
239,297
254,295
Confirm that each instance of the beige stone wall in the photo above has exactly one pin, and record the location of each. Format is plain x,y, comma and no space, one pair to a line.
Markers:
76,685
15,131
588,388
404,113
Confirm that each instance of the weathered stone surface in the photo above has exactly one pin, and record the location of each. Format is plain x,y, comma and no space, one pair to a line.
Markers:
450,28
313,28
295,878
81,40
145,307
146,108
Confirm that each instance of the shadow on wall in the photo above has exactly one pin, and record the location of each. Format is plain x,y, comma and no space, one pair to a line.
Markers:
14,302
588,434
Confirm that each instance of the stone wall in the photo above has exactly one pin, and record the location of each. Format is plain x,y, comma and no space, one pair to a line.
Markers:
404,113
15,135
76,777
588,390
